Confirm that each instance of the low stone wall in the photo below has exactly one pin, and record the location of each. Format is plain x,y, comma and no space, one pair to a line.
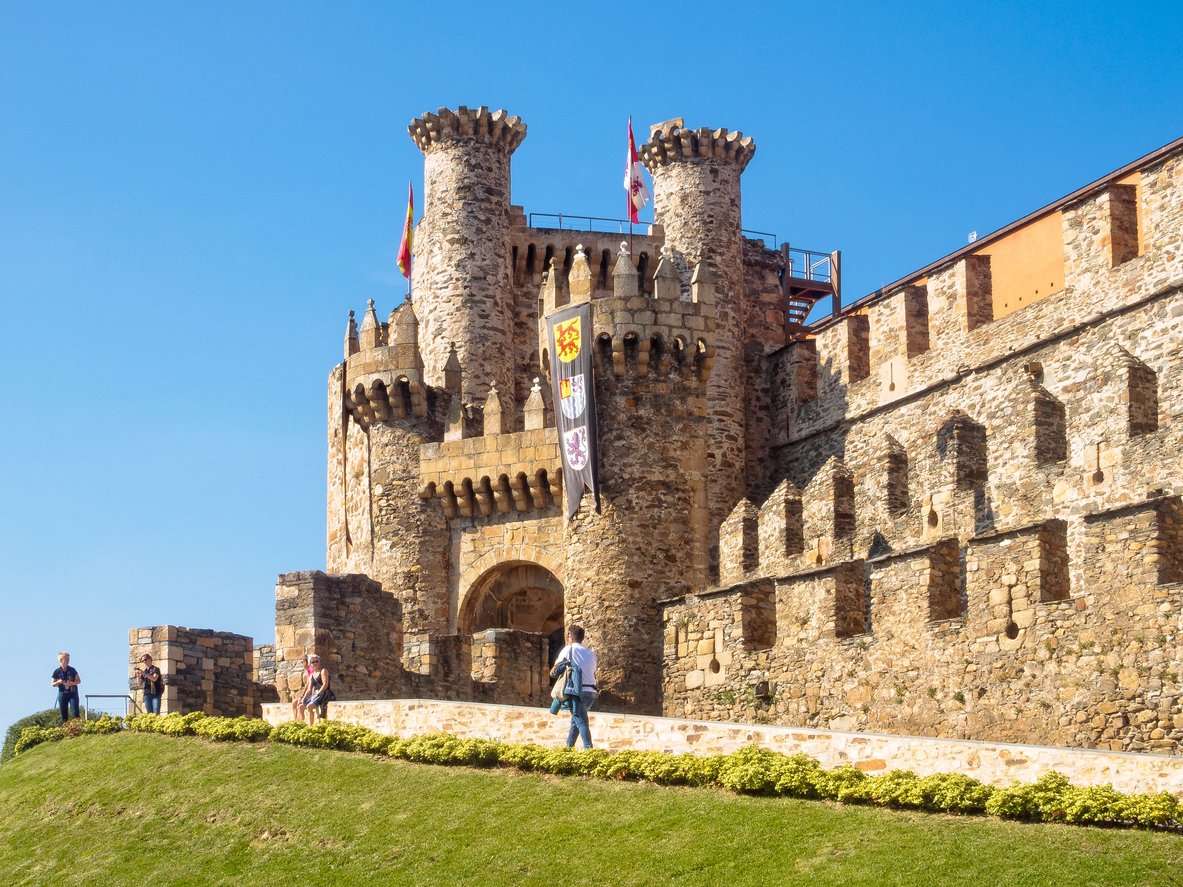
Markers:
992,762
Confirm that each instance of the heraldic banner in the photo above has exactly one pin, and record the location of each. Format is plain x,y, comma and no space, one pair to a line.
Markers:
570,332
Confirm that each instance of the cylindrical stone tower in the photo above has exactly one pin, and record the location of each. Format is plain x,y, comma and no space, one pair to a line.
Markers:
461,268
696,199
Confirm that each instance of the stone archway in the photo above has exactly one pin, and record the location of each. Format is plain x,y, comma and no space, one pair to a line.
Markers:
518,595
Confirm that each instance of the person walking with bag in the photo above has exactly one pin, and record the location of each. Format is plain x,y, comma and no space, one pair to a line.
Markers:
578,664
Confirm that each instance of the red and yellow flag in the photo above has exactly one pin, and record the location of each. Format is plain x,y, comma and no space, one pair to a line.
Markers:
404,248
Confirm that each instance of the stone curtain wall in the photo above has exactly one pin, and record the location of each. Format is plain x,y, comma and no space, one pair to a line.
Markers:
993,763
1013,530
203,670
1020,660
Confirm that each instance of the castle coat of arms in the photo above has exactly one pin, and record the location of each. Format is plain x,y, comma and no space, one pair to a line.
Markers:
576,447
572,396
574,402
568,339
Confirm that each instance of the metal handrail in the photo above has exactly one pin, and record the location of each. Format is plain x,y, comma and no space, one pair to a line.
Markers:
130,707
623,225
803,264
806,264
761,235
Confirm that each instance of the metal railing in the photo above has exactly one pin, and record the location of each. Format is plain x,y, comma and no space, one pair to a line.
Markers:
568,222
127,703
803,264
806,264
770,240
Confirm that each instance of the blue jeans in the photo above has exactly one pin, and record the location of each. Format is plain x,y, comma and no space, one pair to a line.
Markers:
68,703
579,724
151,703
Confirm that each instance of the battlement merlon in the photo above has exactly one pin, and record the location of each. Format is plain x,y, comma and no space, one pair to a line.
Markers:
479,124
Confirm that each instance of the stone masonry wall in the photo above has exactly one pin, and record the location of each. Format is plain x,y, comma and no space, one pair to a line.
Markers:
984,642
1014,513
350,622
203,670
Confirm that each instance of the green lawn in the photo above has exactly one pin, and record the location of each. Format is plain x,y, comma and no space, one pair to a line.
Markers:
141,808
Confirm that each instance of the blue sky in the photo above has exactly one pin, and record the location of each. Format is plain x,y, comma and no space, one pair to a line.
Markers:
192,198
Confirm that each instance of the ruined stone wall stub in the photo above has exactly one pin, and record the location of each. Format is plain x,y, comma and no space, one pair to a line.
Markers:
461,272
350,622
696,199
203,670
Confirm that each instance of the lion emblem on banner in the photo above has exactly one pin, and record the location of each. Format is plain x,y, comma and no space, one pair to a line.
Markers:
568,339
576,447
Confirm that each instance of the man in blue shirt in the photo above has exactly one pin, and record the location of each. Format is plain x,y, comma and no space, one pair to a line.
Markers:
66,679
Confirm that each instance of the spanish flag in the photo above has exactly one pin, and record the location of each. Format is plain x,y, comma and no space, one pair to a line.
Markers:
404,248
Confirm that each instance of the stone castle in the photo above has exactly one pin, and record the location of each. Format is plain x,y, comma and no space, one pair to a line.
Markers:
948,508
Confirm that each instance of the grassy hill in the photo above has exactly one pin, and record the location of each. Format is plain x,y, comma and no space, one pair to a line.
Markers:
133,807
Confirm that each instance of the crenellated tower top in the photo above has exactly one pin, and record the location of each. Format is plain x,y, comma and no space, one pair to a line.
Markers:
670,143
478,124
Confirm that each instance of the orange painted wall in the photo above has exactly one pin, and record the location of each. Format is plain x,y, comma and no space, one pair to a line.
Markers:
1026,265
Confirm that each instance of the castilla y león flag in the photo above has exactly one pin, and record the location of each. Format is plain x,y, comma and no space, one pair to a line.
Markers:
404,248
634,181
570,334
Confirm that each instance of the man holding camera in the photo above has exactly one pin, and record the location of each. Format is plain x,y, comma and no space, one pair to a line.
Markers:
65,678
152,683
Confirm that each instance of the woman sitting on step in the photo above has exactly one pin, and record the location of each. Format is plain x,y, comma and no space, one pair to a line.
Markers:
321,689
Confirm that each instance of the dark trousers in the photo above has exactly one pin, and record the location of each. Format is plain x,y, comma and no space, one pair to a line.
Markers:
68,703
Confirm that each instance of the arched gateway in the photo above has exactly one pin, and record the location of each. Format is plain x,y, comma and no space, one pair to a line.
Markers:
514,594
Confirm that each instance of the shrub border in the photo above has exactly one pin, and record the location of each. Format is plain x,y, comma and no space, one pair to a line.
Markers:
751,770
